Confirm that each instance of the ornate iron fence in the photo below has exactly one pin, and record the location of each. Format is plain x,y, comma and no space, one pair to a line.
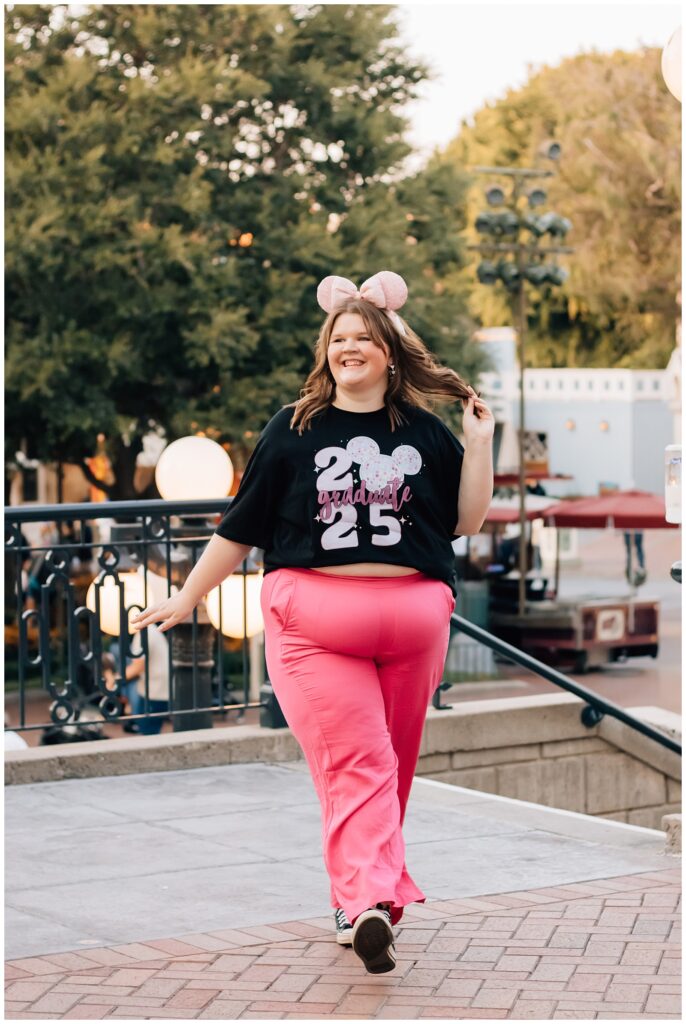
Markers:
92,565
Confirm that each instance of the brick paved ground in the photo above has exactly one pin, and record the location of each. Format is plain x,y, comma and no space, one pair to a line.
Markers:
602,949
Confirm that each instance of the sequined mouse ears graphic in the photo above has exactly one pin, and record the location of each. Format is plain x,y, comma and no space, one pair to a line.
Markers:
379,470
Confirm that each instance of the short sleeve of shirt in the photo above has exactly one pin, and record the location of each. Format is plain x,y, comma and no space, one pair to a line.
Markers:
452,457
251,516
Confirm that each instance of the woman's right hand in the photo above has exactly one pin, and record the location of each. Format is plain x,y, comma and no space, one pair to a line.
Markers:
168,613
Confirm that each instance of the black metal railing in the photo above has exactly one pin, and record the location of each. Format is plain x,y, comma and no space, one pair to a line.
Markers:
595,706
59,642
54,640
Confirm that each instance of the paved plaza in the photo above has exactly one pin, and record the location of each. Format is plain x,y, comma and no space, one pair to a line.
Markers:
201,895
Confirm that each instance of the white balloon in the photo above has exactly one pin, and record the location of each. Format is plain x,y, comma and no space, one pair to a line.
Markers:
193,467
231,623
671,64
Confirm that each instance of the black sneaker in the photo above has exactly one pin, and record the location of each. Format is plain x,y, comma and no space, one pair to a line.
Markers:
344,929
373,940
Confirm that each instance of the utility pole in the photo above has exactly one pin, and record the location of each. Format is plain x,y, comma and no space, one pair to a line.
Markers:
527,264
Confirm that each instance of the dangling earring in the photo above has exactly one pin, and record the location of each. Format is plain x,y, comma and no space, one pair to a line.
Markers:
391,370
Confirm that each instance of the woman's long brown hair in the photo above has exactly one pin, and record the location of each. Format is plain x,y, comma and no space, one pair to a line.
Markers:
419,380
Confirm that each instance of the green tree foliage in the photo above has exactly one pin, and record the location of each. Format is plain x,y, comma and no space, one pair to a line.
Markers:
618,181
179,178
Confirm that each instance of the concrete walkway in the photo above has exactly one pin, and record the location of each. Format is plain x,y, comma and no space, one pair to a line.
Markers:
201,894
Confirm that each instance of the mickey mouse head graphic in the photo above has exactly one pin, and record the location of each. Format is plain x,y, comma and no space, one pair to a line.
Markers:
378,470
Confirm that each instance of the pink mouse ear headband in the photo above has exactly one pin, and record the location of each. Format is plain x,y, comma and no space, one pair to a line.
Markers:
386,290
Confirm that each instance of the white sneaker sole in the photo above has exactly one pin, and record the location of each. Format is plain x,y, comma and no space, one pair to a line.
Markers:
372,941
344,938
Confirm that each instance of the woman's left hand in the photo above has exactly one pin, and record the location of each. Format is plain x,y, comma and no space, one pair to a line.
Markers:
477,427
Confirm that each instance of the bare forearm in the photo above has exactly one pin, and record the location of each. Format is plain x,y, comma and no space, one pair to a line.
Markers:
220,558
135,668
476,487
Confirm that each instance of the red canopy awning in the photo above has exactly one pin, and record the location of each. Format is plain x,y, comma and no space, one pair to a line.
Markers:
506,510
624,510
531,477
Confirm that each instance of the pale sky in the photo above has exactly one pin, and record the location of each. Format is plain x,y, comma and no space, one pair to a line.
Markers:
481,50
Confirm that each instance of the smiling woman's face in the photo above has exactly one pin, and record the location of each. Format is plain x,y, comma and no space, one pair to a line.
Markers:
351,343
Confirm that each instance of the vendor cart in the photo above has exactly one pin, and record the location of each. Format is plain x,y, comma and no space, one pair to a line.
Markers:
582,632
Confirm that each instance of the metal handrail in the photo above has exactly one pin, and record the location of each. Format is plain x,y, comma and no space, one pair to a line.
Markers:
112,510
596,706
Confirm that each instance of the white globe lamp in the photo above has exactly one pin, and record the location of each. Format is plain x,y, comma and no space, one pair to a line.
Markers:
671,64
230,623
157,586
110,594
193,467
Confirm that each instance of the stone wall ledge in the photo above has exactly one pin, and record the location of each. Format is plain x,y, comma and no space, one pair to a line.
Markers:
504,722
490,725
485,733
198,748
537,749
642,747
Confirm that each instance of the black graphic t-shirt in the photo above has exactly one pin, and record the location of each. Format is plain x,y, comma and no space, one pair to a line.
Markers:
351,490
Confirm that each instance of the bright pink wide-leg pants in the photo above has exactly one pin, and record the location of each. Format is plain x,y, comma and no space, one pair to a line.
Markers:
354,661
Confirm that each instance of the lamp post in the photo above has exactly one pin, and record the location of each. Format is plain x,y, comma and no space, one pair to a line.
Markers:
528,263
192,467
673,494
671,72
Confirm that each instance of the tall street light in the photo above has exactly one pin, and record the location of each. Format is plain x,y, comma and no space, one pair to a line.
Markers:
192,467
671,72
502,228
673,494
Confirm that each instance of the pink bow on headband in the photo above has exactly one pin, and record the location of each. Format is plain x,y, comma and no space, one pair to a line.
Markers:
386,290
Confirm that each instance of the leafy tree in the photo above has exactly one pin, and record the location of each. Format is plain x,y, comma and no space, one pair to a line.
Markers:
618,181
179,178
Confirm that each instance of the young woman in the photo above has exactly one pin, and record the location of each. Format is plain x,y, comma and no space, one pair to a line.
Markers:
355,492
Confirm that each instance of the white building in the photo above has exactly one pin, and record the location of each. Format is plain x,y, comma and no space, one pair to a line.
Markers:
603,427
